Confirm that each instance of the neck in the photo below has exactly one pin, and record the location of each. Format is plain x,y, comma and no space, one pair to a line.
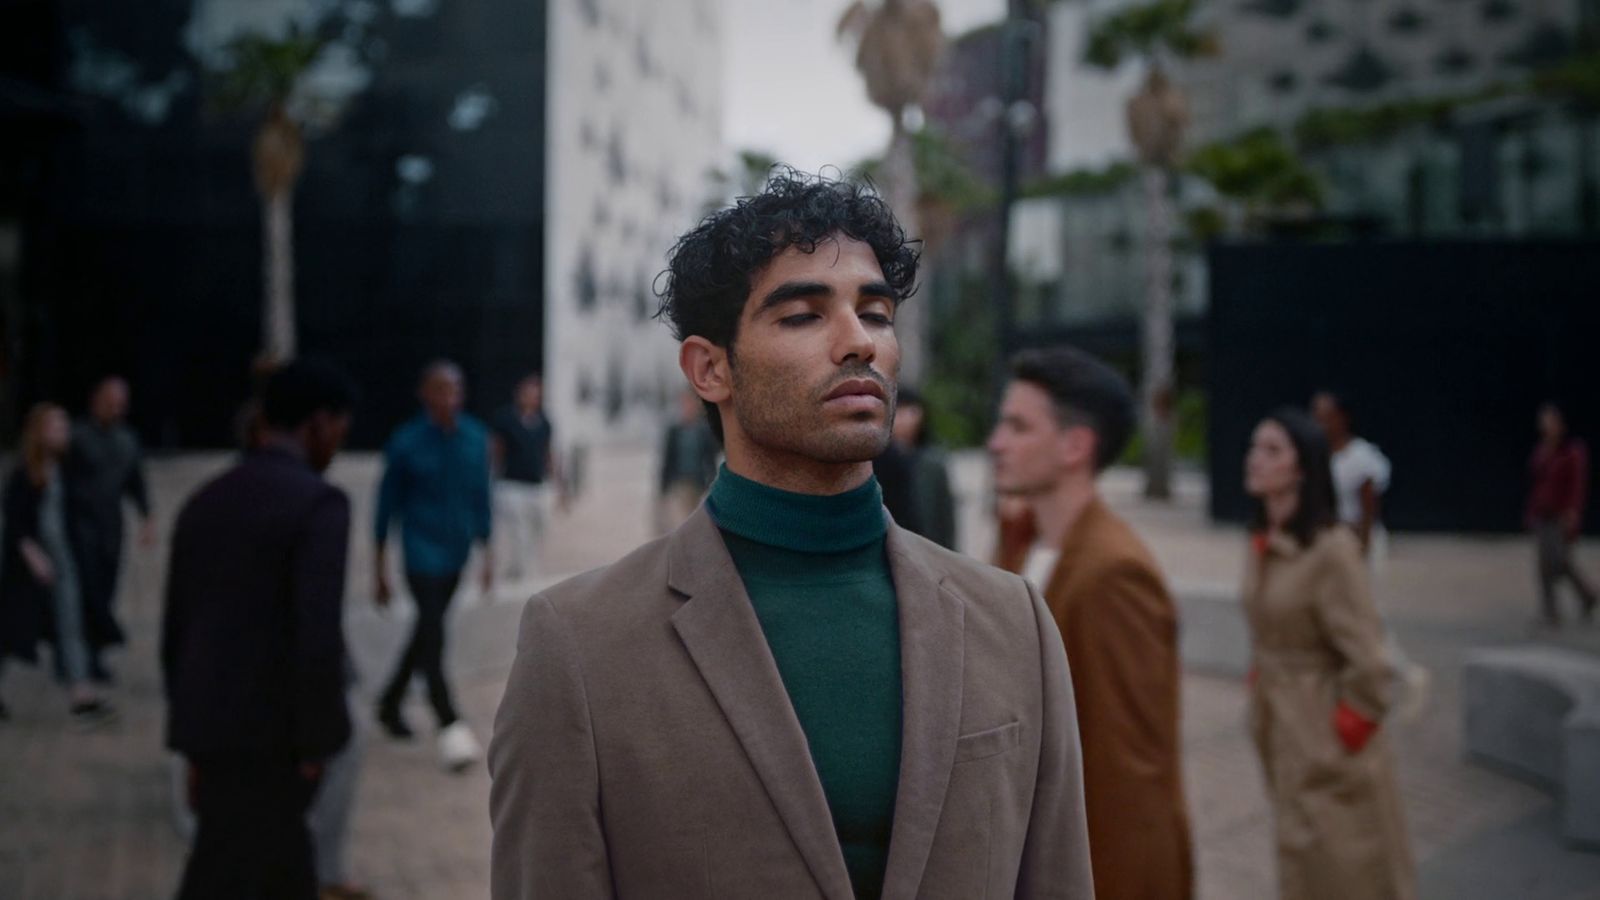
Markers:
284,442
1281,508
443,424
795,473
105,421
1340,442
527,412
1057,510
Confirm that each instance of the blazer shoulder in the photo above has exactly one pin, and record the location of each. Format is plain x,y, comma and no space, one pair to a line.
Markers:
613,589
978,581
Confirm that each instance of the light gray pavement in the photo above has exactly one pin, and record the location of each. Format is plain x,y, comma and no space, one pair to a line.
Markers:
85,816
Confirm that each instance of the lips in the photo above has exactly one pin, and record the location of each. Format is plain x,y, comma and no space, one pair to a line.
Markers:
857,387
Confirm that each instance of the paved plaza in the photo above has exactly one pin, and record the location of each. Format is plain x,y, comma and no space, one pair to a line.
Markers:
87,815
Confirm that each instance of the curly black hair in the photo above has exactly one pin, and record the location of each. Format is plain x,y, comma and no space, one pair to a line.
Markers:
710,269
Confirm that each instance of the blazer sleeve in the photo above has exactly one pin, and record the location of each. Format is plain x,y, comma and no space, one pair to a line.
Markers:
544,799
321,717
1131,649
1055,855
1350,621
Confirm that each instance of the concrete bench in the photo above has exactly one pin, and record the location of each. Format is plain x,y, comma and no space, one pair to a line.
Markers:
1533,712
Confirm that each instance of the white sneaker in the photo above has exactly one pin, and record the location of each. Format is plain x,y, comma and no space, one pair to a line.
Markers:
458,749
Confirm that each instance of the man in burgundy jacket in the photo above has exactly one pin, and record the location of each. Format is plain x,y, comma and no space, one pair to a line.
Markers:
1559,473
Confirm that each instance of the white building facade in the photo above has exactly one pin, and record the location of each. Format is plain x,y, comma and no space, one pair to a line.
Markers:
635,129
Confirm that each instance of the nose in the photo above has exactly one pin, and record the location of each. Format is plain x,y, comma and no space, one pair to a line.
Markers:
853,342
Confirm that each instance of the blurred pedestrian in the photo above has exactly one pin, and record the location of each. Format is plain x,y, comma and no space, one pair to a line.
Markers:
522,443
1321,680
931,497
788,695
1361,475
436,485
252,648
1559,490
688,464
895,471
107,469
41,587
1065,417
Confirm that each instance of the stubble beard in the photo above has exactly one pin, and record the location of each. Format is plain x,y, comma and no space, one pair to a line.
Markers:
775,416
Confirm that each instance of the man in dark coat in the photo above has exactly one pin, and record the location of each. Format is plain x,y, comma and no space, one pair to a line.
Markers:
252,649
105,469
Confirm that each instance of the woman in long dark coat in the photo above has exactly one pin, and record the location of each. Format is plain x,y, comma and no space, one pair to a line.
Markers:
40,591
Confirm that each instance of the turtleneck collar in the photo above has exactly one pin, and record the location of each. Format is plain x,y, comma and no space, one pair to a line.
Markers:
805,523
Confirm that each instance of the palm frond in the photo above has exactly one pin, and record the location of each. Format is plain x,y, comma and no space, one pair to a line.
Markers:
263,71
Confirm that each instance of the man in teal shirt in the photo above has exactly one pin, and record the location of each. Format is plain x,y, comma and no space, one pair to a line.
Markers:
436,485
789,696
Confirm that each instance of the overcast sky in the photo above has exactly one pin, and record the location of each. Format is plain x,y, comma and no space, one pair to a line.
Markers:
791,89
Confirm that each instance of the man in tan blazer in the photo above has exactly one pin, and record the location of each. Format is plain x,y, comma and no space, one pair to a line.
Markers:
789,696
1065,417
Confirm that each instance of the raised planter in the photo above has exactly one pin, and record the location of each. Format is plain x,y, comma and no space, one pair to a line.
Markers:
1533,712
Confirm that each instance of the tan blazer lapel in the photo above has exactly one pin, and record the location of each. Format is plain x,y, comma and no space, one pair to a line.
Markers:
719,628
931,644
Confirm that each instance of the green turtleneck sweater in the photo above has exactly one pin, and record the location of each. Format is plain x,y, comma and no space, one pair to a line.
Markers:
818,578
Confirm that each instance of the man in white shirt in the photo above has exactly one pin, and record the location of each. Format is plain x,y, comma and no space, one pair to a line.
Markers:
1360,474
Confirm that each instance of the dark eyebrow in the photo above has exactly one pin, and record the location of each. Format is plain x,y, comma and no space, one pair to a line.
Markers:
878,289
791,290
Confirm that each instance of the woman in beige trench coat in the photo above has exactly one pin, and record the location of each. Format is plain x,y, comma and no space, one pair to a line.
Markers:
1320,682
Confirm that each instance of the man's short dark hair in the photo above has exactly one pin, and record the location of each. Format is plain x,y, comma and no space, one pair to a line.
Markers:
710,270
303,388
1084,391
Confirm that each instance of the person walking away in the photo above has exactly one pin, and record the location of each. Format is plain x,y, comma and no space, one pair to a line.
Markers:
931,497
436,486
1361,476
521,440
106,469
688,464
789,696
1065,417
252,647
1321,679
41,588
1558,473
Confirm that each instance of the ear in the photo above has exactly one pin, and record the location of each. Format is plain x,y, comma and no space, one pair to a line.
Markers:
705,365
1078,446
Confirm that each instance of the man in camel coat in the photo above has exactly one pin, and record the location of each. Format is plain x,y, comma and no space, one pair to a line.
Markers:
1065,417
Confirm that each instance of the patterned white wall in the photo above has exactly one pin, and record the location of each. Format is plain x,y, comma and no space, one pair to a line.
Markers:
635,126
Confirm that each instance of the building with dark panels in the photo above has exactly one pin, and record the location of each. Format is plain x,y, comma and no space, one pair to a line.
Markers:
421,218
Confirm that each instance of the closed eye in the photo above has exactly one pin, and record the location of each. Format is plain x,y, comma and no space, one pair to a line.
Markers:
797,320
877,319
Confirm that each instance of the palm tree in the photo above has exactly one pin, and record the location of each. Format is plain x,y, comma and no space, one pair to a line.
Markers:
261,75
898,43
1155,34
